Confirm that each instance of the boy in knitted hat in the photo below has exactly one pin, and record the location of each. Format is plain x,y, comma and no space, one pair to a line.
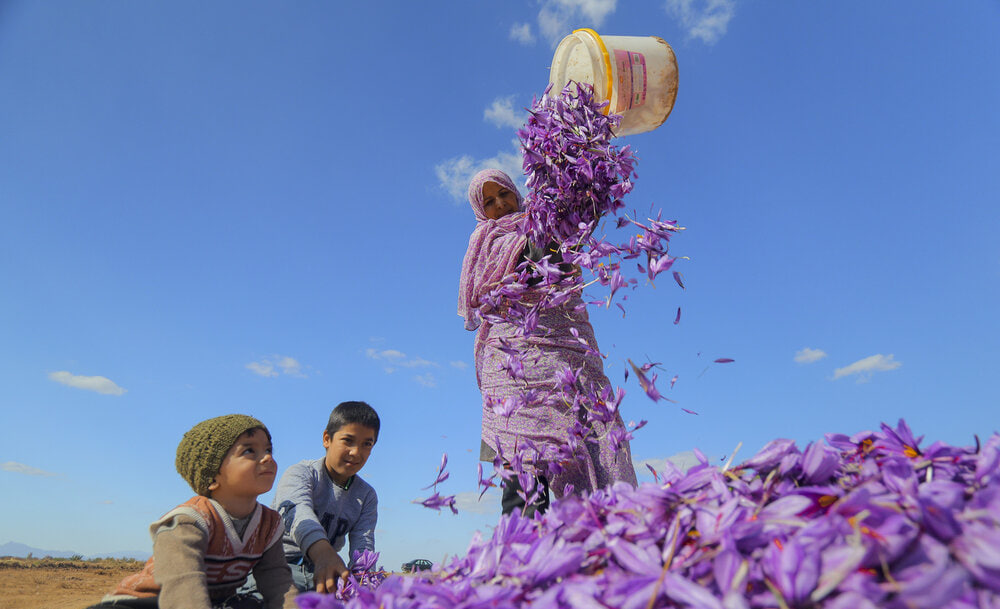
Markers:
324,501
204,549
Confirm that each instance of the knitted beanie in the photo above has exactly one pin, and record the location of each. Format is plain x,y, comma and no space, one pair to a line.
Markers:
202,449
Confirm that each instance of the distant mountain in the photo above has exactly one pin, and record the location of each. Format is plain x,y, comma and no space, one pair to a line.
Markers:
19,550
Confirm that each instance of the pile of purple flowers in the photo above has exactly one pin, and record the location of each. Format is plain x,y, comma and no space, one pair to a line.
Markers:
870,520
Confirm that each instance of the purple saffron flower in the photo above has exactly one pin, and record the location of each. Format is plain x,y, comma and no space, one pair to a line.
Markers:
819,463
771,455
436,502
442,474
900,440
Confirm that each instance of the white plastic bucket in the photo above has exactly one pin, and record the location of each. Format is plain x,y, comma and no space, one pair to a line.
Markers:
637,74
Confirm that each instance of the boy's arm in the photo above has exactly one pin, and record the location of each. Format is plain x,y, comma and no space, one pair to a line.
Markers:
293,499
179,566
273,576
362,536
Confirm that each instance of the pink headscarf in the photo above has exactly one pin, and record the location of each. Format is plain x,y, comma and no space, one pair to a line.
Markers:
494,248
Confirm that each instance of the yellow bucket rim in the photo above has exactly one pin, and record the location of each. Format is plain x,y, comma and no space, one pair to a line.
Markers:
607,63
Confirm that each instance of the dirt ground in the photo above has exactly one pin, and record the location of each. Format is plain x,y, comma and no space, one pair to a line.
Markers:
52,583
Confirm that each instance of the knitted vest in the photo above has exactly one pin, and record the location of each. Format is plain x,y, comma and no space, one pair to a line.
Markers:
228,559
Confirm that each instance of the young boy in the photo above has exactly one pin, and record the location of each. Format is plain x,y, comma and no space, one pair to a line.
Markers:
204,549
323,501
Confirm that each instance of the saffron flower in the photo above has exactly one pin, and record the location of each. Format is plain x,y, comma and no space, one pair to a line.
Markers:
836,526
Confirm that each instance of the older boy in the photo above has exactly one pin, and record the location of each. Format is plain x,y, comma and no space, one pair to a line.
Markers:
204,549
324,501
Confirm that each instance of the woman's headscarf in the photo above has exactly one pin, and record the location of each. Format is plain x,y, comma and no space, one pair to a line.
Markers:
494,248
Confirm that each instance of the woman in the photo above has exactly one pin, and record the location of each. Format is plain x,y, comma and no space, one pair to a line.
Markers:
546,420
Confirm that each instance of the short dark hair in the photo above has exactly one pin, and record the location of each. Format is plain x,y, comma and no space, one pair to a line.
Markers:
346,413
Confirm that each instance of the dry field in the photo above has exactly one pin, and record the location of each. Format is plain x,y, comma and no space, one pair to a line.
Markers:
58,583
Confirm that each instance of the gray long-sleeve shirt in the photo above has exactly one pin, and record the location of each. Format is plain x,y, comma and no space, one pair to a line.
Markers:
315,508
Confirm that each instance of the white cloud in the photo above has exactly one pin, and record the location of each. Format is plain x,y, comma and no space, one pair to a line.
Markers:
27,470
427,380
501,113
459,365
394,359
418,362
683,461
555,16
808,356
868,366
384,354
270,367
470,502
265,368
455,174
99,384
398,358
290,366
706,20
521,32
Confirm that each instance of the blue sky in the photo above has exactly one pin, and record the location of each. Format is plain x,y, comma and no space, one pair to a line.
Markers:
257,207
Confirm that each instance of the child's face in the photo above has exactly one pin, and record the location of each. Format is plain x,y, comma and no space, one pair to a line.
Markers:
347,451
247,470
498,201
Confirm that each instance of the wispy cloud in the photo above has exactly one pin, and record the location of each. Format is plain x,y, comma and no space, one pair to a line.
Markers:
521,32
98,384
276,365
27,470
683,461
455,174
470,502
706,20
458,364
418,362
502,114
555,16
427,379
865,368
393,359
808,356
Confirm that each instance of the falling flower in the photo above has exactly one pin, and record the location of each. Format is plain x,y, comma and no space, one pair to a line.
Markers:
442,473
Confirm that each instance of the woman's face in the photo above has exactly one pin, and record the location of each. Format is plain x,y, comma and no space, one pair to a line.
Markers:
498,201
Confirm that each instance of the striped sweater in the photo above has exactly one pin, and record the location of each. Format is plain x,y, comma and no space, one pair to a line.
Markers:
197,550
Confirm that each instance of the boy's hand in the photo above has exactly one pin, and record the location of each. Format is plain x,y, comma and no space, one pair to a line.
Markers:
328,567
